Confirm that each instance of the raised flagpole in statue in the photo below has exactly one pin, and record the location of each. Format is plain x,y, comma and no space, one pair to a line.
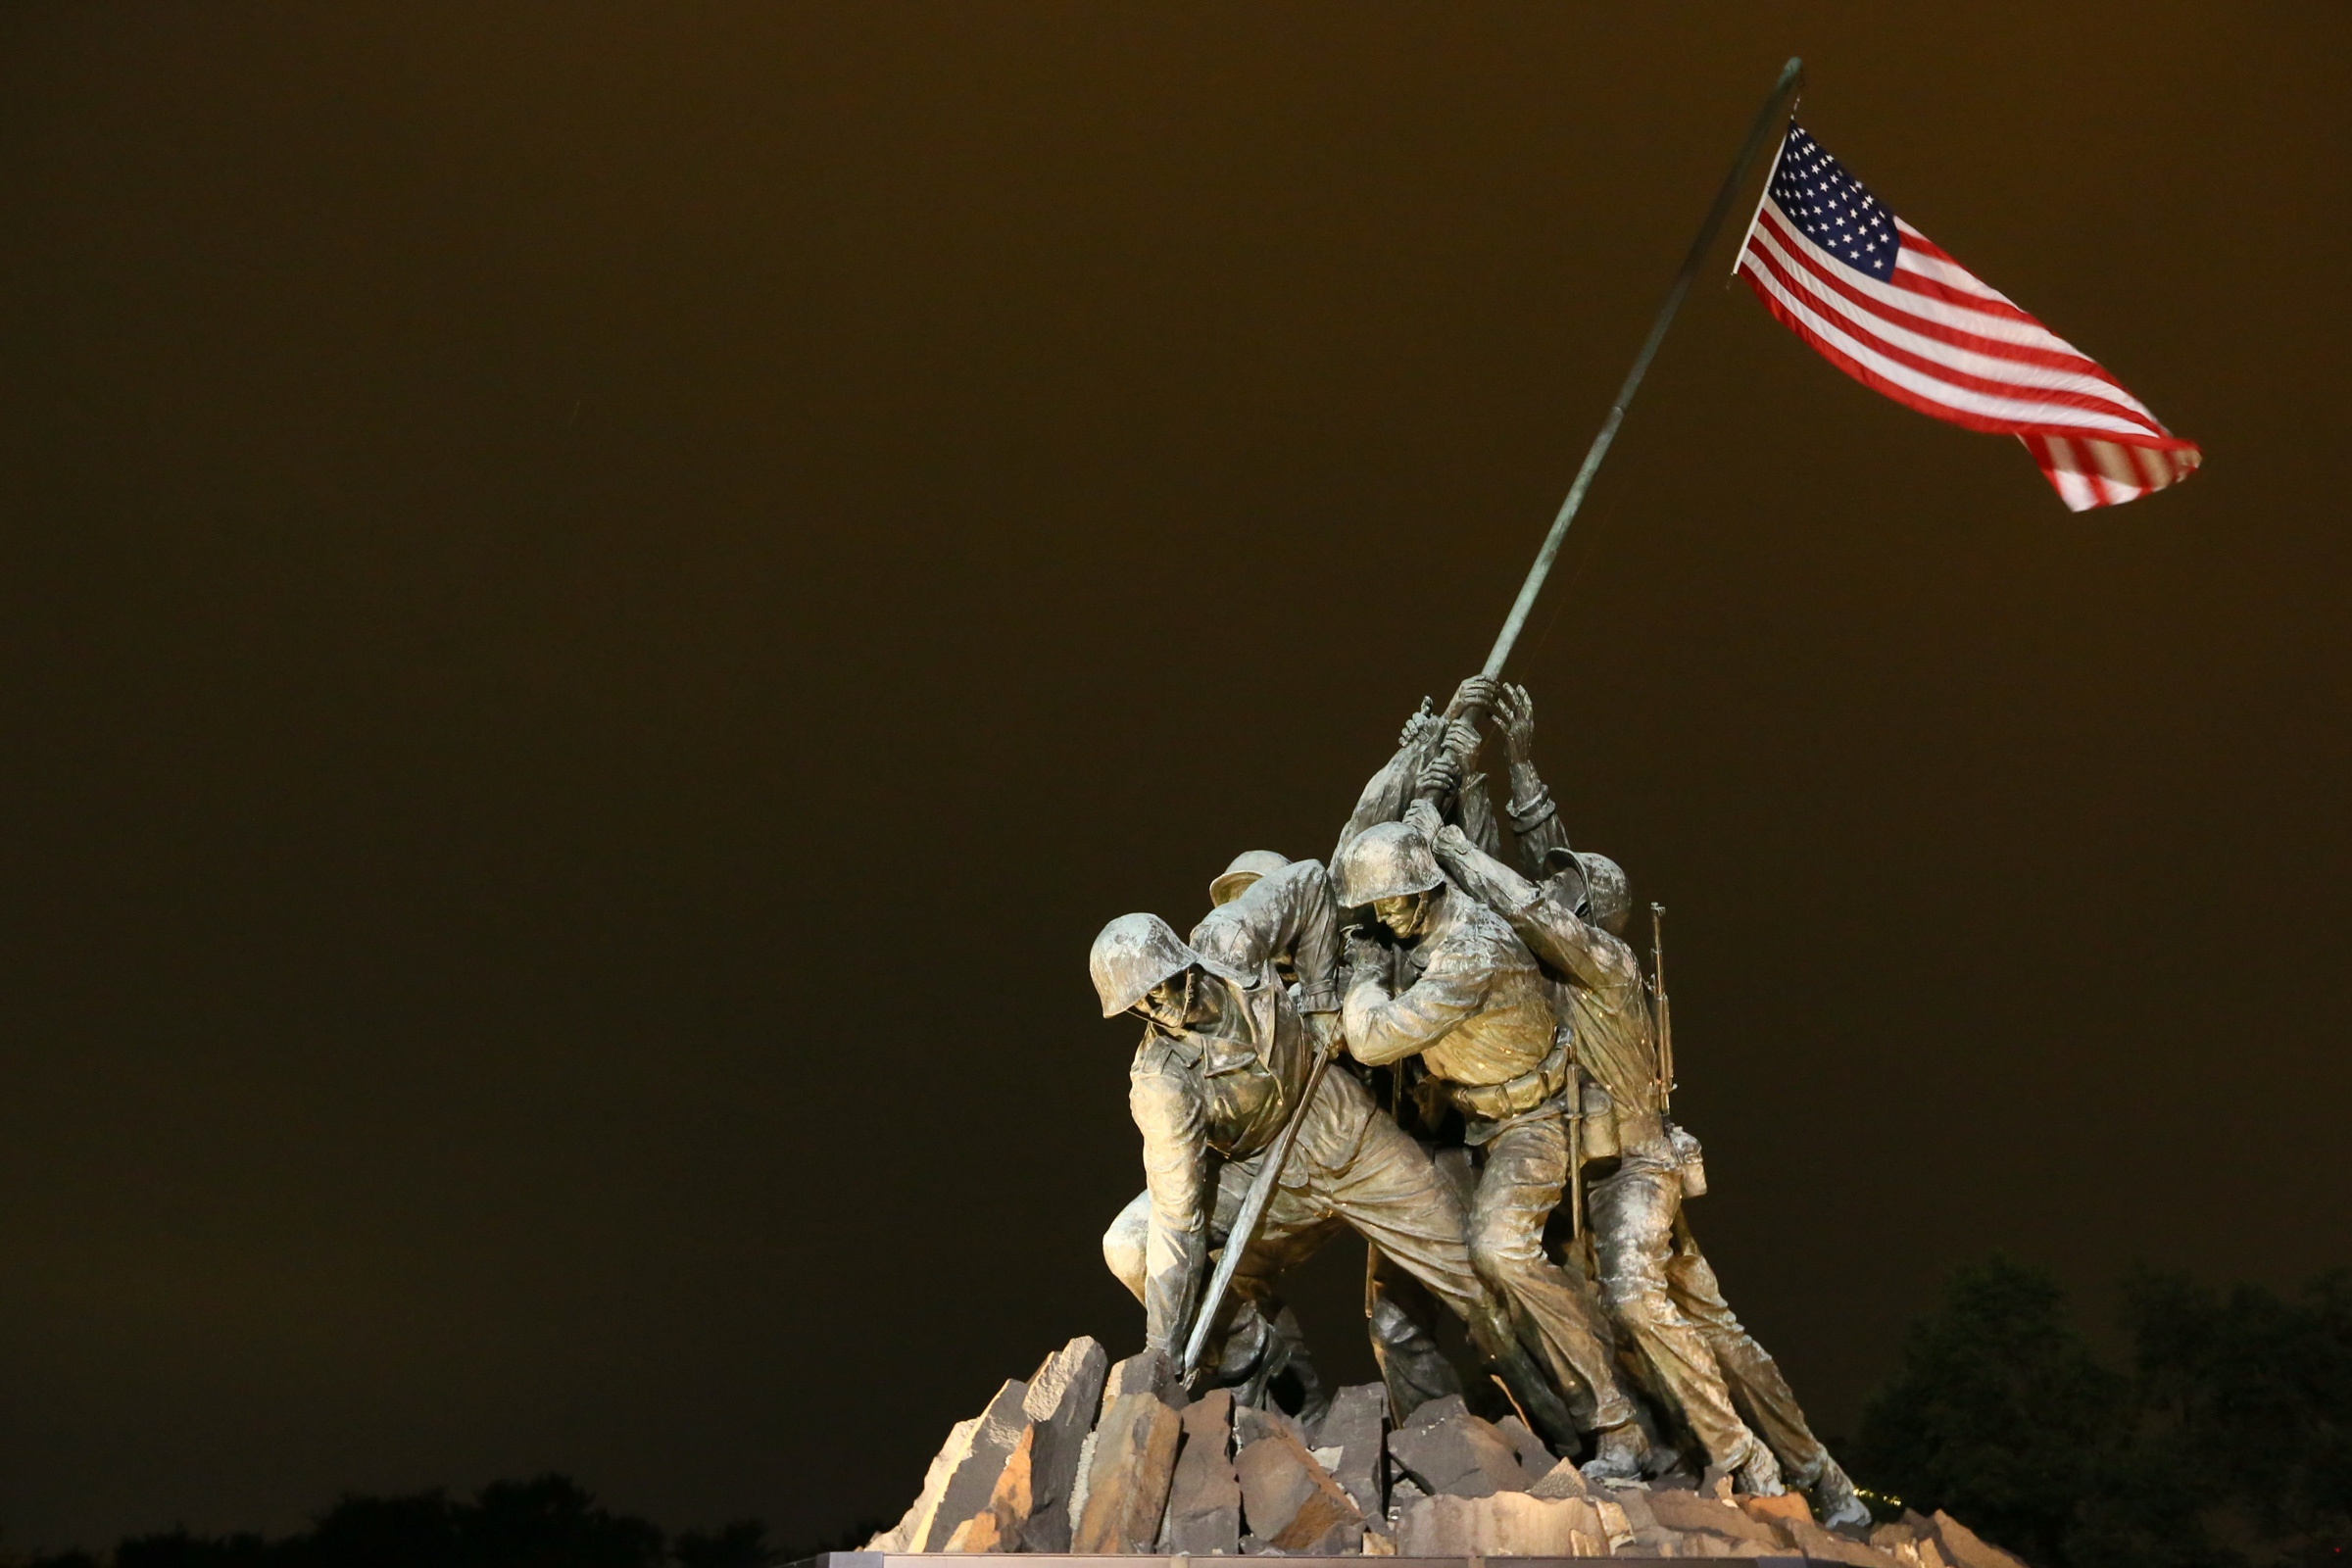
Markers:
1792,74
1269,1174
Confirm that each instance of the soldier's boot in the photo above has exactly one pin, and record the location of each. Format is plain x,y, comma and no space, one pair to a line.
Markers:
1398,1310
1490,1334
1837,1503
1759,1474
1291,1376
1536,1398
1618,1455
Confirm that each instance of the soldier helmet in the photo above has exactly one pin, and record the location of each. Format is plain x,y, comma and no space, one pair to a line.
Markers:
1564,879
1386,860
1246,867
1134,953
1609,892
1592,885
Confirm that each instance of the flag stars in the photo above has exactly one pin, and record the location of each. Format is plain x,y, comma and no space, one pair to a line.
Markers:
1836,212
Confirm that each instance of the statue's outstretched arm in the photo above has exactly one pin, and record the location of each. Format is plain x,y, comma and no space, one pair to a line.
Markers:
1551,931
1428,739
1534,819
1289,915
1383,1029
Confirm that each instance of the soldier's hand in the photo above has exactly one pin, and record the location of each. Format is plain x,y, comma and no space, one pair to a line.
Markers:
1323,1028
1441,776
1476,693
1418,728
1515,711
1366,959
1423,818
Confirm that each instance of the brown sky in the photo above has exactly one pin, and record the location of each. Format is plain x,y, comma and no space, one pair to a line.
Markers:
597,603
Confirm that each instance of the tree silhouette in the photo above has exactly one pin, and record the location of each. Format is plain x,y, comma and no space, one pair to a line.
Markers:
2228,1443
1996,1411
550,1521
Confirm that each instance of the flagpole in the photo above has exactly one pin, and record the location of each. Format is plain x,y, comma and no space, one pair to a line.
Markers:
1790,74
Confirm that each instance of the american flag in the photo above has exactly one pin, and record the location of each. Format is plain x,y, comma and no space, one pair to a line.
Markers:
1879,301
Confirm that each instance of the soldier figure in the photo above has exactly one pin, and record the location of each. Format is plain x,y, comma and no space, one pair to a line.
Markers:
1656,1283
1480,1020
1224,1059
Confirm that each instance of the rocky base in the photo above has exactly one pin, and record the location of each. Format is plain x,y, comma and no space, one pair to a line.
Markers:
1091,1459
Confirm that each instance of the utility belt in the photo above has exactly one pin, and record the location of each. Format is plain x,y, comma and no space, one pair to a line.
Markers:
1542,1081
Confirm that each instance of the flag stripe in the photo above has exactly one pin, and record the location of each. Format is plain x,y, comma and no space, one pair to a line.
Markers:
1868,358
1971,360
1935,304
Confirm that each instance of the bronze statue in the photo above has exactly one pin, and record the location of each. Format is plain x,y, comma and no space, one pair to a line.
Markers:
1658,1286
1460,991
1225,1059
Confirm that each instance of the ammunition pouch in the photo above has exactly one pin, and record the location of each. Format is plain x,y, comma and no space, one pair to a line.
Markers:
1599,1113
1540,1083
1689,1161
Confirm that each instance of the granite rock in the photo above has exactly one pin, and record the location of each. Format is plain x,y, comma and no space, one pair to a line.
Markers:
1634,1502
1533,1458
1127,1481
1205,1499
1562,1480
1064,1394
1146,1373
1251,1423
1432,1411
1692,1512
972,1477
1965,1549
1291,1502
1354,1426
899,1537
1458,1456
999,1525
1904,1542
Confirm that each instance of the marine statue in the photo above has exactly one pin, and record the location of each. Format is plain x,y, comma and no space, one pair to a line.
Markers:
1224,1069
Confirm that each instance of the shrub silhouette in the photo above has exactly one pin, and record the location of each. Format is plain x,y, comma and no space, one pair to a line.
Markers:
2225,1444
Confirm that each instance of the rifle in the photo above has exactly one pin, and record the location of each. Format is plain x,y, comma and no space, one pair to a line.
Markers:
1664,1020
1576,1148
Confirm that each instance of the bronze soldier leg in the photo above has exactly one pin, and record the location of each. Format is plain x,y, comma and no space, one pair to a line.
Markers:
1632,1233
1262,1339
1525,1170
1750,1373
1757,1387
1398,1201
1399,1309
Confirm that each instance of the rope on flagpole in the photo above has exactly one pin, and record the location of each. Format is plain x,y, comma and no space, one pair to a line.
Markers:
1791,75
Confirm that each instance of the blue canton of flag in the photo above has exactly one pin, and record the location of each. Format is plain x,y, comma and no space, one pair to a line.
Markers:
1832,208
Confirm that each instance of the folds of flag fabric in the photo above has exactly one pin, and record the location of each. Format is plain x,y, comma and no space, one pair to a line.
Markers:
1875,299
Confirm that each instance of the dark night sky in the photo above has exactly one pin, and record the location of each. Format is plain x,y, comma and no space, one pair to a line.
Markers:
596,604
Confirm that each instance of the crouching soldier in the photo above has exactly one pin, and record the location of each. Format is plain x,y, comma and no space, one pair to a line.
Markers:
1225,1057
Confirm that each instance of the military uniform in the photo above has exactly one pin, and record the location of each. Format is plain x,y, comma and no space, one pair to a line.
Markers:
1657,1285
1210,1099
1480,1019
